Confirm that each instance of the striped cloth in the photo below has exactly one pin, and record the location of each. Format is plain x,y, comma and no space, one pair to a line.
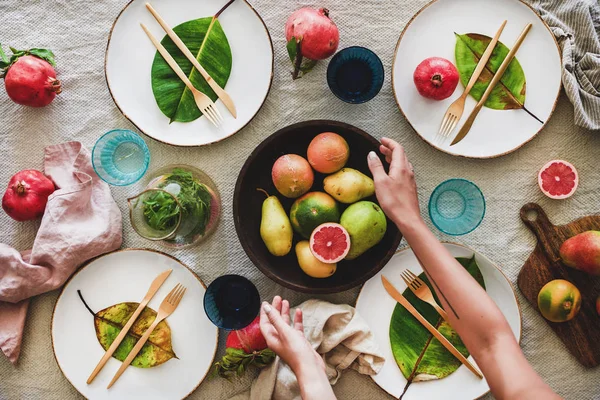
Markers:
576,25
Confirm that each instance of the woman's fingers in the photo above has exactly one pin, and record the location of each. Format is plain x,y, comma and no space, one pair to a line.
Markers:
277,303
399,159
298,324
376,166
274,317
266,328
285,311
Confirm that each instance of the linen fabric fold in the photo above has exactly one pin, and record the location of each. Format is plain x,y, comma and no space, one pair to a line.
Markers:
576,26
81,221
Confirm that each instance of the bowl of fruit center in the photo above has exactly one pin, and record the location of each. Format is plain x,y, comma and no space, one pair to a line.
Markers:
265,214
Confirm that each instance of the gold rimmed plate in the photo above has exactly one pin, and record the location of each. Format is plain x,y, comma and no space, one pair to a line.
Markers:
124,276
431,33
130,54
376,307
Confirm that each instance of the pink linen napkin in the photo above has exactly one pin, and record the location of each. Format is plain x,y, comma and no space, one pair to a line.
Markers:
81,221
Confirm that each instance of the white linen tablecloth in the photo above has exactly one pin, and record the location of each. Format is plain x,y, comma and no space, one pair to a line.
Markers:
77,32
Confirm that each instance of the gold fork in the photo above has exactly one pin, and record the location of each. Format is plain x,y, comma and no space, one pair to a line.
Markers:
204,103
166,308
422,291
456,109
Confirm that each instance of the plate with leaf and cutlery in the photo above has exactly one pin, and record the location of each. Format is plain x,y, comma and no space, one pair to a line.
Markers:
189,73
402,309
130,324
477,78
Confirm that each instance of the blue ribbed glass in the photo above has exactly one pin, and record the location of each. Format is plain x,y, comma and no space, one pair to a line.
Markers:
456,207
355,75
231,302
120,157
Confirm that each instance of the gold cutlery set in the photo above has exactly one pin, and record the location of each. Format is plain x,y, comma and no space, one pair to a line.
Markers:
204,103
456,109
166,308
422,291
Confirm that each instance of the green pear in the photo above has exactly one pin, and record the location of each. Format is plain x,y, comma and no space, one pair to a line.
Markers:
582,252
349,185
275,228
366,224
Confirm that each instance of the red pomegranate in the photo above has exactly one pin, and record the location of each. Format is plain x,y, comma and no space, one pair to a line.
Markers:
27,195
317,33
244,347
30,78
436,78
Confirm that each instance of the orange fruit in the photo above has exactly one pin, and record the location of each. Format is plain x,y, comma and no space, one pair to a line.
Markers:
328,152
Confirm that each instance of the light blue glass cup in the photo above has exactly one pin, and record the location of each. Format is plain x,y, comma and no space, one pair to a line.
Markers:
120,157
456,207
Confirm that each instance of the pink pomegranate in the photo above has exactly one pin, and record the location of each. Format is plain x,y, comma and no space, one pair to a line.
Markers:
317,34
27,195
436,78
31,79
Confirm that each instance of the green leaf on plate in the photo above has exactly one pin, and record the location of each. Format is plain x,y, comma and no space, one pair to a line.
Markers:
509,94
206,39
418,354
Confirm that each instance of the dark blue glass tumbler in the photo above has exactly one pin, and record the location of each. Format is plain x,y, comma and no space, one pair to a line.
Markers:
231,302
355,75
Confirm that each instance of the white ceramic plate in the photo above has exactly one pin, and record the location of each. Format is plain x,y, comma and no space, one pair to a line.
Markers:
431,34
126,276
130,53
376,307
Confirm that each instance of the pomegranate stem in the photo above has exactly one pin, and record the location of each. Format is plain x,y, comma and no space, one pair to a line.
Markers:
21,188
298,61
436,80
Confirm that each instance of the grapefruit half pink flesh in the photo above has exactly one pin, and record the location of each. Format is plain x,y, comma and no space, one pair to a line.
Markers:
330,243
558,179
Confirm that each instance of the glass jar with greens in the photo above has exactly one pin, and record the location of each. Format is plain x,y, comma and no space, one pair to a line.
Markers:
181,206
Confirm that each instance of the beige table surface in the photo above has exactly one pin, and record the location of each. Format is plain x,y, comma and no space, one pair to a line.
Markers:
78,30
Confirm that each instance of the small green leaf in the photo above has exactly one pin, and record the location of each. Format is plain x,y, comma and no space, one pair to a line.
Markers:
3,58
44,54
307,65
292,48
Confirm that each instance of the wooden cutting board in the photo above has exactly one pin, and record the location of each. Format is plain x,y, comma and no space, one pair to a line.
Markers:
581,335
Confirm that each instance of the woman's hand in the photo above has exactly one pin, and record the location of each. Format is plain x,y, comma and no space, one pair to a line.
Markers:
290,344
397,190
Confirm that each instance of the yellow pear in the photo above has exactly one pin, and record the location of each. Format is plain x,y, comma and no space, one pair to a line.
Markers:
275,228
310,264
349,185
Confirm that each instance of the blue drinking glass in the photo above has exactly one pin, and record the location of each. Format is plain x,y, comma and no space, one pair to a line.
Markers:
456,207
355,75
231,302
120,157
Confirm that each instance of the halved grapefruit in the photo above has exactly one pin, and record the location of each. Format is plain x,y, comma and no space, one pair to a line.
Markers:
558,179
330,242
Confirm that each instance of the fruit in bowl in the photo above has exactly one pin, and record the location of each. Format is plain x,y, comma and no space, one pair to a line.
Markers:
275,229
366,223
292,175
312,210
349,186
322,268
328,152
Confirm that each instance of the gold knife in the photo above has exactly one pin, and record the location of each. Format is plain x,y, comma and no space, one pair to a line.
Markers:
511,54
396,295
223,95
156,284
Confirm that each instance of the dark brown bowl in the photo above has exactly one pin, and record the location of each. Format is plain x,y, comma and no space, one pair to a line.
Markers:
247,206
